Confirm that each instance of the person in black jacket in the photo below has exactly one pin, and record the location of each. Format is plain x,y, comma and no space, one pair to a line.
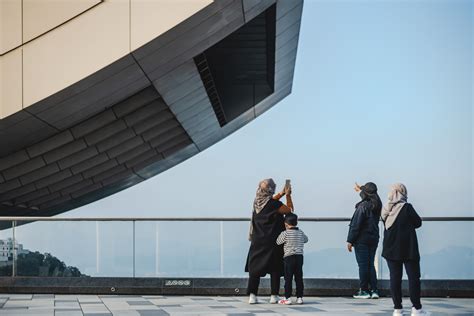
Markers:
400,248
364,237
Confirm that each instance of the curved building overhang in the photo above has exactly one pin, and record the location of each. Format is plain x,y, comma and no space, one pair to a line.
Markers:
153,108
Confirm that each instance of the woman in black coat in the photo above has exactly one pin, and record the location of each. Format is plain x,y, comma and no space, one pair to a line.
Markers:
265,256
400,248
364,237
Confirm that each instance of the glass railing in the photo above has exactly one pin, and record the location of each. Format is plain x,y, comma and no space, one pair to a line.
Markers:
204,247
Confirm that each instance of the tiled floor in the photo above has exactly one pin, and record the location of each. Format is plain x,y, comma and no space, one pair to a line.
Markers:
93,305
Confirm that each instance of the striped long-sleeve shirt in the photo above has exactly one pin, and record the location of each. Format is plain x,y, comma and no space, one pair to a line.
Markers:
293,240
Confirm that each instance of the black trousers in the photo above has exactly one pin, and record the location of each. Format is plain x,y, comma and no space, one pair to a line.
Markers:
294,267
413,272
365,256
254,282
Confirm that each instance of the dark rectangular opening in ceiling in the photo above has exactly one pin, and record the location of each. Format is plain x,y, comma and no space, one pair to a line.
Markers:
239,71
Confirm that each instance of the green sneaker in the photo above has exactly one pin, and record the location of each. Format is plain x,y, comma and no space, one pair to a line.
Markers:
374,295
362,294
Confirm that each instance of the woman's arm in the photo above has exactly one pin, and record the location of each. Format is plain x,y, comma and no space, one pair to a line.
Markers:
288,208
278,196
289,202
415,218
355,225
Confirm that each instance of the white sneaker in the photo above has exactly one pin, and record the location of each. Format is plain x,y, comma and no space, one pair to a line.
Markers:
286,301
299,300
253,299
274,299
397,312
420,311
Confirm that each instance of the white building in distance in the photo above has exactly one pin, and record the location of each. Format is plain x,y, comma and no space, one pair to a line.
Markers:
7,249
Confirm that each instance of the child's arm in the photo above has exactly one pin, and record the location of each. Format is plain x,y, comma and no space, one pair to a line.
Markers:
305,238
282,238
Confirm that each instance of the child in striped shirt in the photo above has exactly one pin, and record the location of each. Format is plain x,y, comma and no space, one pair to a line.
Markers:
293,240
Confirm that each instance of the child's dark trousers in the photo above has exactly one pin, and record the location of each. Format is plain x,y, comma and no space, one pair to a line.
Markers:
294,267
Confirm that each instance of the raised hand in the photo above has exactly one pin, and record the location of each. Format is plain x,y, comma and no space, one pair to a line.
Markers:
357,187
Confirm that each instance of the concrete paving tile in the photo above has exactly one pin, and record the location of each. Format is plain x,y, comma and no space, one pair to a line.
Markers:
139,303
88,299
198,314
202,298
15,297
146,307
159,312
126,313
68,313
169,305
65,297
29,303
307,309
68,304
43,296
95,309
27,313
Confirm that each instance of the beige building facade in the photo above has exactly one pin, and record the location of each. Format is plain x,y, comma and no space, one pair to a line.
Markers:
47,45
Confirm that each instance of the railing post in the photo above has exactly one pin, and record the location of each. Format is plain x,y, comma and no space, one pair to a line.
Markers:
97,248
222,246
14,248
379,253
157,249
133,231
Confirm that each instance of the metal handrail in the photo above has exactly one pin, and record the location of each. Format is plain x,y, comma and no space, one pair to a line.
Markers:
204,219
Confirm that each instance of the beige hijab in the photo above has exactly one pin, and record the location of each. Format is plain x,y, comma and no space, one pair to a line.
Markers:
396,200
265,191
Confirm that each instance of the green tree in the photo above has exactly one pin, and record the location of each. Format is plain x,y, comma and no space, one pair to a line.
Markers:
38,264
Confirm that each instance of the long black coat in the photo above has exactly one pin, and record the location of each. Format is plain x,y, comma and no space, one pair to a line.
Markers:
265,256
400,242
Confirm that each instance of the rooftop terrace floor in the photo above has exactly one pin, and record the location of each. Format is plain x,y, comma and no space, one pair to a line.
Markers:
95,305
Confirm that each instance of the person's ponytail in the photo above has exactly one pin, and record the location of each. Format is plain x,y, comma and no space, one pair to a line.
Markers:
376,204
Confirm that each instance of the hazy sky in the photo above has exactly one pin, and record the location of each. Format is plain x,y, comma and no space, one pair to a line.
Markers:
383,92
